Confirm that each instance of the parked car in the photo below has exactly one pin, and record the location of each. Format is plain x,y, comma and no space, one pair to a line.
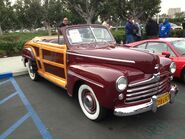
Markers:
104,76
175,27
174,48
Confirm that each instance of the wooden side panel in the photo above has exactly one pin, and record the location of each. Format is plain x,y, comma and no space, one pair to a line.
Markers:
51,61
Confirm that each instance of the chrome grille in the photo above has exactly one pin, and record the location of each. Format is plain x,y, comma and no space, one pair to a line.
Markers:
144,90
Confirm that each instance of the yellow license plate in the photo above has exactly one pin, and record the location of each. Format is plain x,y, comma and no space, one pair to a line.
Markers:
163,99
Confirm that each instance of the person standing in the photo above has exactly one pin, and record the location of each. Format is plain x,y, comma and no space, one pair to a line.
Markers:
151,28
165,28
138,30
129,27
183,26
64,22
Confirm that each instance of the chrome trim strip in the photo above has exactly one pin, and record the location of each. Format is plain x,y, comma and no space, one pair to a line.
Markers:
137,101
146,95
142,92
85,79
142,88
151,105
155,78
139,97
145,87
102,58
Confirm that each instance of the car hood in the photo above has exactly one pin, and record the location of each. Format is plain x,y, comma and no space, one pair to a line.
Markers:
138,59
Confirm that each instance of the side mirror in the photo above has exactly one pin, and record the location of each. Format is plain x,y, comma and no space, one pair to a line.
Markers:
166,54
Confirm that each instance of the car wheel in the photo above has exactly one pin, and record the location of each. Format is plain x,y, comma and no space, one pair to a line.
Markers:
89,103
32,73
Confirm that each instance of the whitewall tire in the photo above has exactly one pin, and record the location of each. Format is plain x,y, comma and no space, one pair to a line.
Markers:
32,74
89,103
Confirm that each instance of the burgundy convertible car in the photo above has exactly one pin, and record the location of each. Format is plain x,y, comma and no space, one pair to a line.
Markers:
87,62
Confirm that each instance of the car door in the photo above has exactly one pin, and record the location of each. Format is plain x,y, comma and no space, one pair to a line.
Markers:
53,62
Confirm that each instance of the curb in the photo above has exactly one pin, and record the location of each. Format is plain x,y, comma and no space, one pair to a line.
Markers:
5,75
9,74
20,73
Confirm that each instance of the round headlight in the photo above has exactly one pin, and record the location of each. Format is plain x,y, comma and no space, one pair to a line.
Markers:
121,83
172,67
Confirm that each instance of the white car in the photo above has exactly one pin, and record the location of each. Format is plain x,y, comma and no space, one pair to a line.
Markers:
175,27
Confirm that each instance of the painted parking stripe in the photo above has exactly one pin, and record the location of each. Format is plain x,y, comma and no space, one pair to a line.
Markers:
14,126
42,129
4,82
7,98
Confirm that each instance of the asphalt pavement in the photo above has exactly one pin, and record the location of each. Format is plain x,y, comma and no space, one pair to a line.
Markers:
63,118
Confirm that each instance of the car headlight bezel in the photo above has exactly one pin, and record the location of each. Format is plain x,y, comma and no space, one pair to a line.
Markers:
173,67
121,83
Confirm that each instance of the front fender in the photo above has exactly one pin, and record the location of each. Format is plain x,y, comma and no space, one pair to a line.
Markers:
101,79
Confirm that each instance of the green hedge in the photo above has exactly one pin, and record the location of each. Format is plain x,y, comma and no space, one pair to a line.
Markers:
119,35
176,33
11,44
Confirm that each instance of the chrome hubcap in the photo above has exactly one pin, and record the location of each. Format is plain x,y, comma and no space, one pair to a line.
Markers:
30,68
89,102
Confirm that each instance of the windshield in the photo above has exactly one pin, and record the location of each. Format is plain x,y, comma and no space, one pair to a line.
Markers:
88,35
179,46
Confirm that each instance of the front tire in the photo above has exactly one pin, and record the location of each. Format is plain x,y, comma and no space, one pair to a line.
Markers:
31,71
89,103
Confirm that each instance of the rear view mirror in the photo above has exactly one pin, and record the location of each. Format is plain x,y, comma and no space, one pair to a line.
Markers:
166,54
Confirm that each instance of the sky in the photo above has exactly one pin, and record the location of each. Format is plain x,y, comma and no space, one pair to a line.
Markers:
166,4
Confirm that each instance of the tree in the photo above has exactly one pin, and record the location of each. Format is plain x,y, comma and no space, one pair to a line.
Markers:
5,13
87,9
53,13
20,14
180,15
141,9
33,13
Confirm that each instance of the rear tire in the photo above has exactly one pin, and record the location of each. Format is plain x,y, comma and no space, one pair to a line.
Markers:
89,103
31,71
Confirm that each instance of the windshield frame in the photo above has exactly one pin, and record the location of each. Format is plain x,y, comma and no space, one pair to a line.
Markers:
94,36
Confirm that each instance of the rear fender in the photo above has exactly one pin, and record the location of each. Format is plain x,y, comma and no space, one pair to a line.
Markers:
28,54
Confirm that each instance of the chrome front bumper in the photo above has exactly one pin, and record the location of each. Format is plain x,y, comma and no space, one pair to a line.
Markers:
152,105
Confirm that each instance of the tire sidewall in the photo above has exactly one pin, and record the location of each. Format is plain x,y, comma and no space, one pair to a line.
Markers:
32,75
95,115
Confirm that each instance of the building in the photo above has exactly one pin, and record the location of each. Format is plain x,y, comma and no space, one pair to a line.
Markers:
173,11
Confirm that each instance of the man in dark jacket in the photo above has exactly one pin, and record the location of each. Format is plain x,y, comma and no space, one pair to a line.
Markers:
183,26
152,29
129,31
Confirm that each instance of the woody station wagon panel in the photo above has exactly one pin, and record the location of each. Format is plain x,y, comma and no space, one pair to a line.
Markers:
104,76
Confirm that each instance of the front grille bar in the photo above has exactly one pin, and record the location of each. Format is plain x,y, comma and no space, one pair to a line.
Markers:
144,90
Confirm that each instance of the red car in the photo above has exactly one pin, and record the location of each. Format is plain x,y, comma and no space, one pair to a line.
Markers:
174,48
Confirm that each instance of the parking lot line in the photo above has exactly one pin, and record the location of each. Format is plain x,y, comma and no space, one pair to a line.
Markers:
14,126
7,98
3,82
31,112
43,131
